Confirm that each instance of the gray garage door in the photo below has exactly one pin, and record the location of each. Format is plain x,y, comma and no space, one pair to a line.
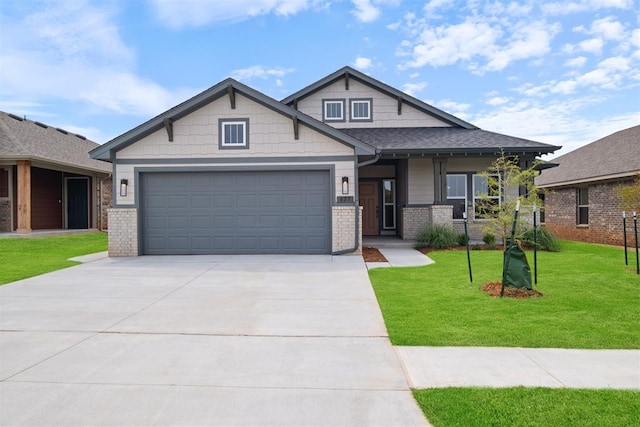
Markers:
235,212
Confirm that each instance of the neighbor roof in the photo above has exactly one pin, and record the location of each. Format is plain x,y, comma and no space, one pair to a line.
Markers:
446,140
614,156
107,151
348,72
23,139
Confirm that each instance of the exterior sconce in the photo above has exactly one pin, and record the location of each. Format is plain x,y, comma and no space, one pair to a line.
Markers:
124,183
345,185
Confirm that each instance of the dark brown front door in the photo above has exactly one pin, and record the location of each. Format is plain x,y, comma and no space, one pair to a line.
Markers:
369,202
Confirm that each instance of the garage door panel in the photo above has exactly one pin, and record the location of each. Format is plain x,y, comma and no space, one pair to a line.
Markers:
236,212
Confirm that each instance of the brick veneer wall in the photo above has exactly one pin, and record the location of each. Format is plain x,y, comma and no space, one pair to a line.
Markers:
5,216
343,221
123,232
605,217
414,219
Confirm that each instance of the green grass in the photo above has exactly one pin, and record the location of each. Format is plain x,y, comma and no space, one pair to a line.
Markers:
529,407
591,300
21,258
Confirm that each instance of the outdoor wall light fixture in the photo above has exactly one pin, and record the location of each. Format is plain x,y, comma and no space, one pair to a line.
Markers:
124,183
345,185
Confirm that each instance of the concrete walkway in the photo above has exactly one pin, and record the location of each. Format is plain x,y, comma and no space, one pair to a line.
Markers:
399,253
428,367
200,340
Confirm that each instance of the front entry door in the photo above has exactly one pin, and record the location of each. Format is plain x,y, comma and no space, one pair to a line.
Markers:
77,203
369,202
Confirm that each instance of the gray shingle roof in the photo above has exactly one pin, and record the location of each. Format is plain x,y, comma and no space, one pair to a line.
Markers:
612,156
107,150
445,140
29,140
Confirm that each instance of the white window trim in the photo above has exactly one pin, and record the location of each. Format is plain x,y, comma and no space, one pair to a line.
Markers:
245,133
326,103
499,196
367,101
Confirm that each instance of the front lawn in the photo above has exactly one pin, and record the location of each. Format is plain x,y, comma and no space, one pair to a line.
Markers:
521,406
591,300
26,257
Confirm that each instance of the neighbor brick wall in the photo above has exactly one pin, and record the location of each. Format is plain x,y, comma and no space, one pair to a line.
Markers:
123,232
5,216
106,202
605,217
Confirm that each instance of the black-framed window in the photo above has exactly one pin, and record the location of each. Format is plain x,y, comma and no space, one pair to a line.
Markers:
486,195
582,206
457,193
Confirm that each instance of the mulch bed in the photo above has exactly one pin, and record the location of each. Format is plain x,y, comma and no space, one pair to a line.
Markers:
493,289
372,255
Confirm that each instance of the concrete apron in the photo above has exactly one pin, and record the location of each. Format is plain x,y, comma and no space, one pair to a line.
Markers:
217,340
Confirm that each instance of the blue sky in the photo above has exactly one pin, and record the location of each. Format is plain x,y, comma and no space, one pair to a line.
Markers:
561,72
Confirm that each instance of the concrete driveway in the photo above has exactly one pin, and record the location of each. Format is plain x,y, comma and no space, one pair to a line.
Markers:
195,340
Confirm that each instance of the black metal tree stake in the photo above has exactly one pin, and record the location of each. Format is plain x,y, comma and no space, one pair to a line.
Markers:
535,246
466,239
635,232
624,237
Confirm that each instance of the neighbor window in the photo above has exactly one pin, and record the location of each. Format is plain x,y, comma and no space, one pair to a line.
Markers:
457,193
234,133
333,110
583,206
360,109
485,196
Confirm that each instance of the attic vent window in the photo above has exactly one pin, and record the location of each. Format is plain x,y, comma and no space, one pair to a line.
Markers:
13,116
62,131
81,136
360,110
333,110
42,125
233,133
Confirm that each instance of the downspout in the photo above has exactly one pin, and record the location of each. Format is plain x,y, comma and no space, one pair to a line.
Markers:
356,203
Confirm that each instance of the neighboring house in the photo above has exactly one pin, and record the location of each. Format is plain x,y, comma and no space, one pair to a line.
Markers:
232,170
580,198
47,179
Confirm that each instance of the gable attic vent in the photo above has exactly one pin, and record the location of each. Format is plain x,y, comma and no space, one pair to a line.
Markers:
42,125
62,131
13,116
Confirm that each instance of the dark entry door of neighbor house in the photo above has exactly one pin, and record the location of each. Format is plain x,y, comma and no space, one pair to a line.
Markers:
77,203
368,191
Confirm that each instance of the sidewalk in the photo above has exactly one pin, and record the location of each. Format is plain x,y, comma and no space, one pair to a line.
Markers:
429,367
399,253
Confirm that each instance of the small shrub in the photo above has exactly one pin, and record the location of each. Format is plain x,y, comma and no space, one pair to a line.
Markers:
462,239
545,239
437,237
476,247
490,240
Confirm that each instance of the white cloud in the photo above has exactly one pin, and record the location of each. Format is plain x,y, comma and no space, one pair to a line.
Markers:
260,71
362,63
479,42
593,46
368,11
635,38
608,28
453,106
577,62
73,51
564,8
497,100
413,88
196,13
